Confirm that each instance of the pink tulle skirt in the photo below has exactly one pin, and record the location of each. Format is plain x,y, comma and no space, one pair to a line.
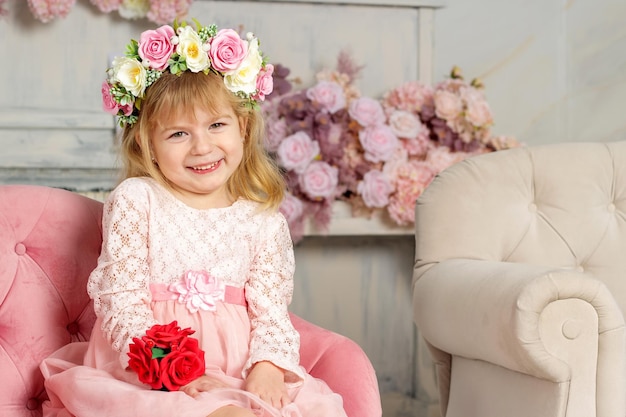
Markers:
87,380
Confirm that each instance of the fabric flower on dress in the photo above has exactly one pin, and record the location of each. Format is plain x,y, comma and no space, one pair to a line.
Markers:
199,290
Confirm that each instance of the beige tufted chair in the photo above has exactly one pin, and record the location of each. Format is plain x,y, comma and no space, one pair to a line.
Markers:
520,282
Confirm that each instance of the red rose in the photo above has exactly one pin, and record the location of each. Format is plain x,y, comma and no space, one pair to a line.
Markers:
182,365
166,358
166,335
141,361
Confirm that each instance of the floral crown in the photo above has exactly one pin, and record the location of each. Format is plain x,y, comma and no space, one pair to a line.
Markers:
179,48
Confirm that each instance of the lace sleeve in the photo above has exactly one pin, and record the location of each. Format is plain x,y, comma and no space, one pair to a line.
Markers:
119,284
269,291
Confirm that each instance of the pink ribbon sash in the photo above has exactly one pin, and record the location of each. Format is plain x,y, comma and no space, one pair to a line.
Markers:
232,295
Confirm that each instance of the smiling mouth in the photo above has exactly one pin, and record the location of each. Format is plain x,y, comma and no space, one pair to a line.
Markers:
205,168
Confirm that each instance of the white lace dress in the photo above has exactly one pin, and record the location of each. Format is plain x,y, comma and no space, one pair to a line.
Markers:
151,242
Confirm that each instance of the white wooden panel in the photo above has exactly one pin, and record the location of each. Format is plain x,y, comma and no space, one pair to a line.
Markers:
554,70
308,37
360,287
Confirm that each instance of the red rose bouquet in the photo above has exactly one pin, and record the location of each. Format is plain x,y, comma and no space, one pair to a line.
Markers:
166,358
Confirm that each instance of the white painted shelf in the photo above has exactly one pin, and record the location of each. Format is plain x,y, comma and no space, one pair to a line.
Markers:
344,224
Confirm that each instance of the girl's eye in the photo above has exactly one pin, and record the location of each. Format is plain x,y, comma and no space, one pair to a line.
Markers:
217,125
177,134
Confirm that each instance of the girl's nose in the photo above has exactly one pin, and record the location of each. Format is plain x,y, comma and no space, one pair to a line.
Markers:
201,145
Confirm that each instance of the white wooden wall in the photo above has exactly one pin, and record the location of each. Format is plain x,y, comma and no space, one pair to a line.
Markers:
356,282
554,70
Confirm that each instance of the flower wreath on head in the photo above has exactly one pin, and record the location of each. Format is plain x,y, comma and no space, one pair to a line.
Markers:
179,48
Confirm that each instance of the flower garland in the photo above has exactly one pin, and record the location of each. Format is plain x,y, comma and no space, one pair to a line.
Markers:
157,11
375,154
179,48
166,358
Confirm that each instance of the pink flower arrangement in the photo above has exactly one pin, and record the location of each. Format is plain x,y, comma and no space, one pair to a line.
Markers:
47,10
158,11
375,154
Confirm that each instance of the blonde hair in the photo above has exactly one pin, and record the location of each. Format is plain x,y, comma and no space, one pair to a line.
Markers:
257,178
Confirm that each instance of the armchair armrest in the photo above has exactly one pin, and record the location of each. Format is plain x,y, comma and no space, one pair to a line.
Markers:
508,314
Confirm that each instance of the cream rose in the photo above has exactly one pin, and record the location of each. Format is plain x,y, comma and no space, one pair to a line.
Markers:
448,106
244,77
131,74
190,48
405,124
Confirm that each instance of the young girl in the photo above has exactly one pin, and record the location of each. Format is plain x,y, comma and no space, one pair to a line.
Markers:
195,275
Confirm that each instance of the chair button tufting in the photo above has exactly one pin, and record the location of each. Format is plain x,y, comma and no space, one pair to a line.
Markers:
611,208
20,249
32,404
72,328
532,207
571,329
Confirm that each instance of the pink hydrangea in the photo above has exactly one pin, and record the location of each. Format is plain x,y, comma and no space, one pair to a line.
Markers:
411,96
107,6
47,10
166,11
412,179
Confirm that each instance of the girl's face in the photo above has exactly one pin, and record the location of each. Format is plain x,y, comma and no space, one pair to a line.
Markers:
197,152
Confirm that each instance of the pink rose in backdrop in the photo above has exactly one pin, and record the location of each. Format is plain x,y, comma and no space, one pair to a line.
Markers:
276,131
367,111
297,151
291,207
405,124
319,180
379,143
329,95
227,50
264,83
155,46
373,154
375,189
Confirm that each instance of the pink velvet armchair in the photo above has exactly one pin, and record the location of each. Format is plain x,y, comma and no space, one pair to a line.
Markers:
49,243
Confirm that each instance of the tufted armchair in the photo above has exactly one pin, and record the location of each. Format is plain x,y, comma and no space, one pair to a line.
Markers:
519,286
49,243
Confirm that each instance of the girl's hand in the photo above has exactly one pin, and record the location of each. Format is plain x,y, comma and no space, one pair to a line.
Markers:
267,381
203,384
